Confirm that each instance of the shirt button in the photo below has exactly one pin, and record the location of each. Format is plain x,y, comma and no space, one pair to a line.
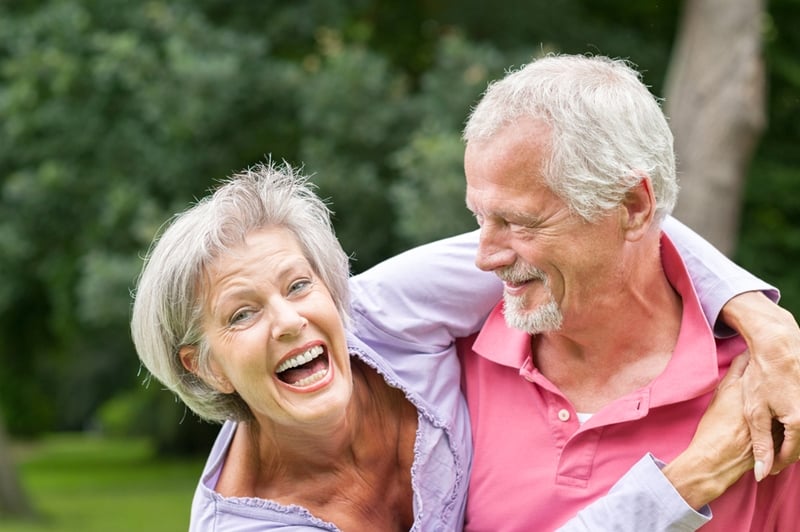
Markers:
563,414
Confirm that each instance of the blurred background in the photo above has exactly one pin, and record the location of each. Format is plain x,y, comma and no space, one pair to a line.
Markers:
116,114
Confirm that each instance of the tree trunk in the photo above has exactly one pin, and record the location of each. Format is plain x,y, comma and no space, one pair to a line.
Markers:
13,501
716,103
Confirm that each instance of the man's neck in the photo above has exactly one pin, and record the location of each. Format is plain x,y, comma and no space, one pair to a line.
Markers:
621,343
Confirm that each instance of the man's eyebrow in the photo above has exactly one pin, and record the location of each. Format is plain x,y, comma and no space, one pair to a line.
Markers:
519,217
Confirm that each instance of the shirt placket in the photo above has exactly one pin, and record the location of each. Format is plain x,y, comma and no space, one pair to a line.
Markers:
575,445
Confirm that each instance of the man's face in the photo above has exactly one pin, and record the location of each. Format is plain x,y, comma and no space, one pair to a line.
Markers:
553,262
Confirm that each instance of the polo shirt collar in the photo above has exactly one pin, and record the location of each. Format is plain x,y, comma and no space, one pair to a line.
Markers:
500,343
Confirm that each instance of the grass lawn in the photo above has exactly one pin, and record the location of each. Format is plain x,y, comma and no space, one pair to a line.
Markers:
83,483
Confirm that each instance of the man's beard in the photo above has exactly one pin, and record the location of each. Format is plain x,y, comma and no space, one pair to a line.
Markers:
544,318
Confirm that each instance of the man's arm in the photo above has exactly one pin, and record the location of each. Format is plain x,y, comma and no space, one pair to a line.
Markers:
745,303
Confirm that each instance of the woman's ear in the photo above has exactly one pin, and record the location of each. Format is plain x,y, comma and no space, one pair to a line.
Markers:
188,356
211,376
639,208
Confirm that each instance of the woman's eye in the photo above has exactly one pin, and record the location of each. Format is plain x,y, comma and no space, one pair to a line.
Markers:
299,285
240,315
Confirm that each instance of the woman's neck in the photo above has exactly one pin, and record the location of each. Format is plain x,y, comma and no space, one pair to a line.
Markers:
264,454
357,474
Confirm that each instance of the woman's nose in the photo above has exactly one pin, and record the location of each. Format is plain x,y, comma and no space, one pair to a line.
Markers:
287,322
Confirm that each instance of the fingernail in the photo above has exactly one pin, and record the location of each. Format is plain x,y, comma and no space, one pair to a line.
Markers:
758,469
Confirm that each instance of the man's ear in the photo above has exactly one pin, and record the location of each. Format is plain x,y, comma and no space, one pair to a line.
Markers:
638,209
211,376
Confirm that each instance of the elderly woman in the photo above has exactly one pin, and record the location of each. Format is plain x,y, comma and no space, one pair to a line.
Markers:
242,311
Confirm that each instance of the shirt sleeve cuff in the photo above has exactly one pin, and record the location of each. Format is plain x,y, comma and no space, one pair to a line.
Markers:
643,499
647,472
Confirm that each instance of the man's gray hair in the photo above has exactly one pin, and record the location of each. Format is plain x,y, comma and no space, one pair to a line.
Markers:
168,306
607,129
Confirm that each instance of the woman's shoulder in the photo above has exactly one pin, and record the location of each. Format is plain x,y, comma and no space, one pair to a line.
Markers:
217,454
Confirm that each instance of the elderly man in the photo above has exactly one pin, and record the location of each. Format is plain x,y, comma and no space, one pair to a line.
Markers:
599,351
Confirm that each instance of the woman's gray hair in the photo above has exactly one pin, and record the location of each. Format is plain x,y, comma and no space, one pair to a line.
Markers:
168,306
607,129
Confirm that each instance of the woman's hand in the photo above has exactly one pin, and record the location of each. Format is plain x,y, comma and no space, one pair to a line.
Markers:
721,450
772,380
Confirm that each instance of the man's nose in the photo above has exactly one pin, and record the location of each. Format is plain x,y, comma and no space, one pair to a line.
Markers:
493,250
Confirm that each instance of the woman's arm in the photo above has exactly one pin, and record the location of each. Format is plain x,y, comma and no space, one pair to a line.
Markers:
715,277
421,300
772,380
643,499
675,497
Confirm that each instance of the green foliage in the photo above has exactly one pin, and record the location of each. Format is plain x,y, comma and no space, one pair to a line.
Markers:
770,231
355,111
770,227
158,415
114,114
429,193
432,180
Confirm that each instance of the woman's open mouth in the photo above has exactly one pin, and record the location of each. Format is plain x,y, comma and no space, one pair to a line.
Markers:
304,369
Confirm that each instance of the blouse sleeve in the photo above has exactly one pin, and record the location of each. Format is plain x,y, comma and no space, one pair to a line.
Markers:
643,499
425,297
715,277
421,300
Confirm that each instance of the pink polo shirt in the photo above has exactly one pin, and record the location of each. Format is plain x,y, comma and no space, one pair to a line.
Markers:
528,433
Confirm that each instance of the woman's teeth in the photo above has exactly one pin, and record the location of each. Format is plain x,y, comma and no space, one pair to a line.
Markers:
299,360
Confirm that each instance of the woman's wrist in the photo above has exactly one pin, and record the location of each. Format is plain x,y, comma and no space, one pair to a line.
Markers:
693,480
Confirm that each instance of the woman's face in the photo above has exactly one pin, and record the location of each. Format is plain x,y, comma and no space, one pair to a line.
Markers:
275,335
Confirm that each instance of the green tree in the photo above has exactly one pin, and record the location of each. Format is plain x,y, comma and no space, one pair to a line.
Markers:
114,114
13,500
769,238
